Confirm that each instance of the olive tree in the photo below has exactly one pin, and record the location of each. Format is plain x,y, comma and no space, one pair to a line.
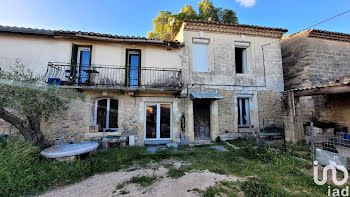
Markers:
26,100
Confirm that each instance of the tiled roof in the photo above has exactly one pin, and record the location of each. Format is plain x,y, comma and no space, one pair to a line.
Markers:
89,35
316,33
202,25
236,25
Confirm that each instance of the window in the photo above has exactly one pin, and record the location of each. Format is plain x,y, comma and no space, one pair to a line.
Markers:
241,57
200,55
106,113
243,112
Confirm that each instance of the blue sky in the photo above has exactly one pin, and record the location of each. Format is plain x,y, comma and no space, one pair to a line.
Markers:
123,17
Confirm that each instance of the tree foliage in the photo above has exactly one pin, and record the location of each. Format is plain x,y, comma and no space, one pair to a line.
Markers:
206,10
25,100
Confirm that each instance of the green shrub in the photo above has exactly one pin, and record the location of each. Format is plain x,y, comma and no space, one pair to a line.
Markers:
255,189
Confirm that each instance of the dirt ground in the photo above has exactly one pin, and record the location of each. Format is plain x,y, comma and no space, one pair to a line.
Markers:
105,184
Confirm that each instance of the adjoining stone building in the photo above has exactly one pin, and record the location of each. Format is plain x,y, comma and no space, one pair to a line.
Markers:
216,79
316,68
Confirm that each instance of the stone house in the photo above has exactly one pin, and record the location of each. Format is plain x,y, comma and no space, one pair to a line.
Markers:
214,80
316,68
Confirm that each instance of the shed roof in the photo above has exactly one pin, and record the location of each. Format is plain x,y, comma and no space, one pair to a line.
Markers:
205,95
331,87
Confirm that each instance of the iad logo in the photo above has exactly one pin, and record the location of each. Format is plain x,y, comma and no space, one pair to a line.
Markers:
333,168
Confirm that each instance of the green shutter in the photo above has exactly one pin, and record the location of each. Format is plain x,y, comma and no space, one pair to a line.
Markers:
73,61
74,54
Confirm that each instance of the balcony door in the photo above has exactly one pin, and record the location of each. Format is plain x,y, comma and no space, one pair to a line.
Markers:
80,63
133,67
83,58
158,121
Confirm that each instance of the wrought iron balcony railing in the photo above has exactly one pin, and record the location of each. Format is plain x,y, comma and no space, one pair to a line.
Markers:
112,76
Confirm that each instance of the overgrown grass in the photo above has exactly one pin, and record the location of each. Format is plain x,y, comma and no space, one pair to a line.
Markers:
22,173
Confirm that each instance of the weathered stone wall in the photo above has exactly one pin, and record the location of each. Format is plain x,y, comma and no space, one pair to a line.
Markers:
227,115
264,61
328,59
73,124
335,108
270,110
296,65
292,119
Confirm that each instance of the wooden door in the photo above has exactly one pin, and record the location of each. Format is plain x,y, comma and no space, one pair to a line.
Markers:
201,116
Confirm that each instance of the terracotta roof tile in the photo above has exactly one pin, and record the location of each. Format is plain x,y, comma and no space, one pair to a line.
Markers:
76,34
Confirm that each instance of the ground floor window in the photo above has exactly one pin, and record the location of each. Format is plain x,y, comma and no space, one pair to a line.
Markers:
158,121
243,112
106,113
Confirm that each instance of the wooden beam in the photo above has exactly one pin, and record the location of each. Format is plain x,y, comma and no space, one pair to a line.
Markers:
323,90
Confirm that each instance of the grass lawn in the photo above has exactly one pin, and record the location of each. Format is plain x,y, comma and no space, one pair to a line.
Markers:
268,172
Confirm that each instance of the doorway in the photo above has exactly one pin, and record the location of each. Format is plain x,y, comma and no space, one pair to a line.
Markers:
83,62
201,117
133,60
158,121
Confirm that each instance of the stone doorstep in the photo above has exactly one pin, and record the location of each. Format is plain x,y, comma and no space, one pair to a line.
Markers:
234,136
100,134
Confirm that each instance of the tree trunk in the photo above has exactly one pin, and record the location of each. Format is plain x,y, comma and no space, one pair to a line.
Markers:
31,133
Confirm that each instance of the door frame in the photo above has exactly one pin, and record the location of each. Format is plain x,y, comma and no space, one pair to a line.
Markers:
158,122
127,65
79,49
210,120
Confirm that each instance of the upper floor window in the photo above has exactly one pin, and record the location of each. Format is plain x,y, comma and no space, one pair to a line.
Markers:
200,55
241,57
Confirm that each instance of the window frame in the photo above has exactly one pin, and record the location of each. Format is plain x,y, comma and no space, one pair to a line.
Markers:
107,114
244,46
158,122
200,41
247,109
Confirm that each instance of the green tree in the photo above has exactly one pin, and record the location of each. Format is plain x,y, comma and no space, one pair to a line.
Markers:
162,28
206,9
25,100
228,16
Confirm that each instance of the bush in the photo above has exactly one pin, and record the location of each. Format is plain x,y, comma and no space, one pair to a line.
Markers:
255,189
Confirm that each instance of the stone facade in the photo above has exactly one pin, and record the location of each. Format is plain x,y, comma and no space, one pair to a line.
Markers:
261,85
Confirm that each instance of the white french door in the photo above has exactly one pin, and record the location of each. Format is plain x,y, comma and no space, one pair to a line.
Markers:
158,121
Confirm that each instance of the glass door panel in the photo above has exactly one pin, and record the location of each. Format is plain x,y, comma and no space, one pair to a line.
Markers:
134,70
83,64
151,121
102,113
165,116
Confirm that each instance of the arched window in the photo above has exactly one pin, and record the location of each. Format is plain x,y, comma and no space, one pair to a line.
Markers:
106,113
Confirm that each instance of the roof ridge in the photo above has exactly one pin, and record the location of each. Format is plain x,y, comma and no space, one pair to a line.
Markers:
234,24
6,28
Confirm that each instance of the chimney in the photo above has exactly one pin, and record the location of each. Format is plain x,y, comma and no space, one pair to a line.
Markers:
172,24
